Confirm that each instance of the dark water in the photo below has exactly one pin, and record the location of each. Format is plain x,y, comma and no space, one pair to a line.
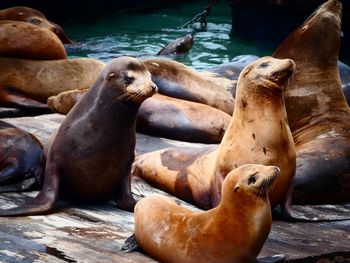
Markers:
145,33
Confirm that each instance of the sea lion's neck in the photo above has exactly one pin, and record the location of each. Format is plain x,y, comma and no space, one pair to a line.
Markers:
314,92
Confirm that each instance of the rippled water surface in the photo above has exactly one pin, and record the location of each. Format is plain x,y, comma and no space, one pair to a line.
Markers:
145,33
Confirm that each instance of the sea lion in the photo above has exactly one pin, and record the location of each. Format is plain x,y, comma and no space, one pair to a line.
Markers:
21,156
164,117
90,156
234,231
22,81
35,17
182,120
176,80
318,114
177,47
258,133
22,40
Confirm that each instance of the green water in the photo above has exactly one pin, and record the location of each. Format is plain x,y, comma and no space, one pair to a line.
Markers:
145,33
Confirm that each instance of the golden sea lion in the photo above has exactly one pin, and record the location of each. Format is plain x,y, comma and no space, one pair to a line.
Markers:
258,133
176,80
23,40
24,83
234,231
90,156
318,114
35,17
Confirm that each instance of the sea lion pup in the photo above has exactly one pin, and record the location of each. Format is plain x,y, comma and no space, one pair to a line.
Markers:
24,83
35,17
258,133
165,117
176,80
179,46
22,40
318,114
21,161
234,231
90,156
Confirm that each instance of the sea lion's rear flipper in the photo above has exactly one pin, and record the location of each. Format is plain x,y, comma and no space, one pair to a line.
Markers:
274,259
10,171
130,245
10,97
29,184
44,202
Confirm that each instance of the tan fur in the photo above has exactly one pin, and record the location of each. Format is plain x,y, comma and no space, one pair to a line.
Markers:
233,232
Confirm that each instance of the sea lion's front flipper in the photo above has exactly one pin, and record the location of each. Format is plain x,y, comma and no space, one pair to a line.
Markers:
288,213
130,245
123,195
274,259
10,97
44,202
10,171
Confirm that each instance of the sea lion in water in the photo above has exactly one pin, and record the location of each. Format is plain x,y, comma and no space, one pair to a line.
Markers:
22,40
24,83
35,17
165,117
176,80
21,161
234,231
90,156
318,114
179,46
258,133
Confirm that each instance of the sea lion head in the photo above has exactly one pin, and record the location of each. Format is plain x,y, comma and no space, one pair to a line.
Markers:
130,78
34,17
253,180
317,40
267,72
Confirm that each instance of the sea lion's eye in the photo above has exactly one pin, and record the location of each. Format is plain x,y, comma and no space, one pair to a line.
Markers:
34,21
128,80
251,179
264,65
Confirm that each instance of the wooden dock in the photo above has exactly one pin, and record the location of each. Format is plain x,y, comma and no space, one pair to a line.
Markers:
95,233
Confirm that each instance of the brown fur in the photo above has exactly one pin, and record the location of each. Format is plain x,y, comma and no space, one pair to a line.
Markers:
318,114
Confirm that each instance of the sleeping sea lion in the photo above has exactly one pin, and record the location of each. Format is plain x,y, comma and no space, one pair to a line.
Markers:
164,116
21,159
90,156
176,80
35,17
23,40
234,231
28,83
318,114
258,133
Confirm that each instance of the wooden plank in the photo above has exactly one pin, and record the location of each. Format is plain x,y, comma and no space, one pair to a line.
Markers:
95,233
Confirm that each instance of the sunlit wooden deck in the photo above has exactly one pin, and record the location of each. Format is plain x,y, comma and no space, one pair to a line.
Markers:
95,233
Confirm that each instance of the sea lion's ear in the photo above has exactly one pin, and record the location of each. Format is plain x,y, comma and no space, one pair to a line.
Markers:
236,188
110,76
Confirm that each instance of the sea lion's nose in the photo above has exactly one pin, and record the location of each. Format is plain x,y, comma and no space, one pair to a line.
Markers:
154,87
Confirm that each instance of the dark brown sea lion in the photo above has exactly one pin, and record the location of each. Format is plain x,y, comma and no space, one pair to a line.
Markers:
90,156
35,17
179,46
165,117
234,231
176,80
182,120
318,114
24,83
23,40
21,161
258,133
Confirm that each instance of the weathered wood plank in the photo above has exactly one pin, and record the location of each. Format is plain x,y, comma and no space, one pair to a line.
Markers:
95,233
